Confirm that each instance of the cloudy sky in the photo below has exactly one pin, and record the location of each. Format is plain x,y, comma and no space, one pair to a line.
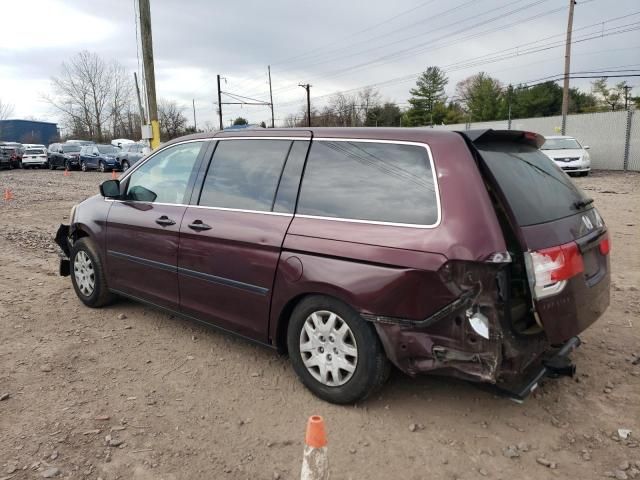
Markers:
334,45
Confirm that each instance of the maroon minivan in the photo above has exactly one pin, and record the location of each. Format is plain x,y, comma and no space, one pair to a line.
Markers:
468,254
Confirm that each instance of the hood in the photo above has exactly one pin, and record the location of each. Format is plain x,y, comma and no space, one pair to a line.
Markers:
564,153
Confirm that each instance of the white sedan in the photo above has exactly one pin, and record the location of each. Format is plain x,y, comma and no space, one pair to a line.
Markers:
568,154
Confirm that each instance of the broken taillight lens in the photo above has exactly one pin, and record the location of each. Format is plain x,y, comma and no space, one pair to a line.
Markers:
552,267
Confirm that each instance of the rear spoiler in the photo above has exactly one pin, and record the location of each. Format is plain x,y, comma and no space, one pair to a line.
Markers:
490,135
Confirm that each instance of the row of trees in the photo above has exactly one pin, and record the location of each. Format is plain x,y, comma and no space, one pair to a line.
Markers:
95,99
477,98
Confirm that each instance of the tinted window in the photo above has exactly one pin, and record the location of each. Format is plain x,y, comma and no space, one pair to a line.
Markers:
34,151
536,189
164,178
290,180
106,149
70,148
244,174
369,181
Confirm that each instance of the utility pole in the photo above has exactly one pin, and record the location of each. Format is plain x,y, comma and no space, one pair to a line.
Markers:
567,68
273,120
220,105
626,96
143,120
195,125
307,87
150,78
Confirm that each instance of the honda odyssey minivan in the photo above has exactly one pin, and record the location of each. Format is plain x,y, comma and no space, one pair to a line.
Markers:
465,254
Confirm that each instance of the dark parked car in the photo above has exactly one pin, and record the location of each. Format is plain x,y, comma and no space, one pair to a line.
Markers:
15,151
99,157
129,154
5,157
468,254
65,155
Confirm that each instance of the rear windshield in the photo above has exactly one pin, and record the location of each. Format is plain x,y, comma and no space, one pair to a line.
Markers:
536,189
34,151
70,148
560,144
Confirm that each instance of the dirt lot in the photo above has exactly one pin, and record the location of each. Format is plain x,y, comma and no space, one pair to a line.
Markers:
188,402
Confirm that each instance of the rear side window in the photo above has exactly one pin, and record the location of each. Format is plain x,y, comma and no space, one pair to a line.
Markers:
369,181
536,189
244,174
286,197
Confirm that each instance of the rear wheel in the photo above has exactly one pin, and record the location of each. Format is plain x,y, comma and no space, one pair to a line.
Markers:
101,166
87,274
51,166
83,166
334,352
125,165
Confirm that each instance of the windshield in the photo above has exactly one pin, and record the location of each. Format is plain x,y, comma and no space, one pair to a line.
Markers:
536,189
34,151
70,148
107,149
560,144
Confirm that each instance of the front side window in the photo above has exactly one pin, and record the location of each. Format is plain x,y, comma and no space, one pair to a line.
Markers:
164,178
244,174
369,181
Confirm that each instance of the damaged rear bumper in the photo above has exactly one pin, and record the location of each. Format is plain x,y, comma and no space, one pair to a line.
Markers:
62,239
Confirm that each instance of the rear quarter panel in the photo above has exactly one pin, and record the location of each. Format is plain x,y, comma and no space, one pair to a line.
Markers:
391,270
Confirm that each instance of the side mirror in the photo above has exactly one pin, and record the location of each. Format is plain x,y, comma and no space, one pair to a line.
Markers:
110,189
586,147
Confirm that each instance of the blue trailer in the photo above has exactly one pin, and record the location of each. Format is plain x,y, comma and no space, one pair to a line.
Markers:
28,131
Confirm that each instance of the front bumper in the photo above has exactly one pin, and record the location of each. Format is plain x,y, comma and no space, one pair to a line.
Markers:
62,239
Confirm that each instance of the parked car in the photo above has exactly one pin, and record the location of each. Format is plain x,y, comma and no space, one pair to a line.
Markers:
568,154
15,151
34,157
65,155
130,153
33,145
5,157
99,157
461,253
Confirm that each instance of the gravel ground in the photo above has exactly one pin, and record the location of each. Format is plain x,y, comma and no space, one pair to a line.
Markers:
132,393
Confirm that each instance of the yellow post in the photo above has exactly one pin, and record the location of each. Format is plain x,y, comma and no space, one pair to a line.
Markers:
155,130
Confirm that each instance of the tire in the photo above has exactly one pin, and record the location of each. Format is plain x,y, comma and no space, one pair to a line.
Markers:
87,274
370,362
125,166
101,166
83,166
51,166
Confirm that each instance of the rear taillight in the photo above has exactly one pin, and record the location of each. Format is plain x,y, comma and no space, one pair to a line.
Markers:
605,245
550,268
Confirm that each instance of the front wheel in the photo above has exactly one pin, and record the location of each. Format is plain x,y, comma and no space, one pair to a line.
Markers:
87,274
51,166
125,166
101,167
83,166
335,353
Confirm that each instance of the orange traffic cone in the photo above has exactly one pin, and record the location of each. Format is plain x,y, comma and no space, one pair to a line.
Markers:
8,194
66,172
315,464
113,175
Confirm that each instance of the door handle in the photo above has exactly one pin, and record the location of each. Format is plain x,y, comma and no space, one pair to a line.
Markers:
165,221
198,226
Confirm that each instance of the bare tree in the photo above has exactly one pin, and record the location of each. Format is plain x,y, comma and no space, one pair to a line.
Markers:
6,110
172,121
368,98
91,94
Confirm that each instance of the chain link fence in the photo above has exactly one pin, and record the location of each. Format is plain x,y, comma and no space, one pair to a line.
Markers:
613,137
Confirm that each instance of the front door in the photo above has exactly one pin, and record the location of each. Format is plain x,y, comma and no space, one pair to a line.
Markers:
231,237
143,228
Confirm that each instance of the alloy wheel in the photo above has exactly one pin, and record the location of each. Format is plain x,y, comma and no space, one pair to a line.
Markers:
328,348
84,273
